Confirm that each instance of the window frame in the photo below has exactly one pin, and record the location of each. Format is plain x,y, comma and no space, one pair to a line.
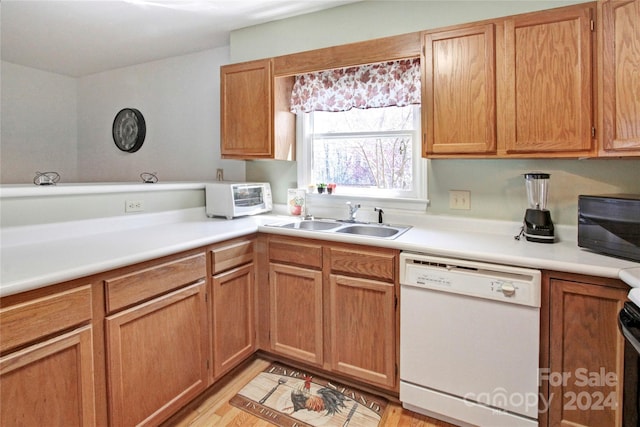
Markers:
415,200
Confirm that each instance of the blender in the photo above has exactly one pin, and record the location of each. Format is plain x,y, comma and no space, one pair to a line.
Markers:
537,219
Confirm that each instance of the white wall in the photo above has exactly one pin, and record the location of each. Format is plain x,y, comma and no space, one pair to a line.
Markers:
53,122
38,124
180,100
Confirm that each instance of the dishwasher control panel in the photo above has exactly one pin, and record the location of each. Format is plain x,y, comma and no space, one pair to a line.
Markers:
476,279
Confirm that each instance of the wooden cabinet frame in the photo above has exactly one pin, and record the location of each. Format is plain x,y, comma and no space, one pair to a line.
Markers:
619,91
509,111
232,323
459,108
334,306
296,313
579,331
548,82
522,86
356,307
146,385
51,337
246,110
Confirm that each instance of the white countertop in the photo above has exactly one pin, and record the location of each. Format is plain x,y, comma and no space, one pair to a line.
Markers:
41,255
36,256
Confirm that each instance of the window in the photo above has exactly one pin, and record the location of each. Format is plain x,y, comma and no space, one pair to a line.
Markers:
373,152
359,128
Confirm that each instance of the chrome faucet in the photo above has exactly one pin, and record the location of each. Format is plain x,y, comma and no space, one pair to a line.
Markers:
352,211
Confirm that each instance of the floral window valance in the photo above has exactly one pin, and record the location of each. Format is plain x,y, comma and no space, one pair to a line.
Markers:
367,86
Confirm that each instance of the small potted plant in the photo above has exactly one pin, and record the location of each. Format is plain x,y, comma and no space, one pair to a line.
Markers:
321,187
295,205
330,188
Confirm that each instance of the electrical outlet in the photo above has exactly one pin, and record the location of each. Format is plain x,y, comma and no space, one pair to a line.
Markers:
133,206
459,199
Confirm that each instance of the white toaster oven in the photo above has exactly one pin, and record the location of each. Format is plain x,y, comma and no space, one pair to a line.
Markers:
234,199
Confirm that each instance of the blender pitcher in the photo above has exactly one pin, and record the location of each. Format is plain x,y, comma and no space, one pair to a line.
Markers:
537,185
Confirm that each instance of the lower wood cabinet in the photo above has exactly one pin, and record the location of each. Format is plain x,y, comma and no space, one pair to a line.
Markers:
157,356
233,320
174,326
296,313
334,306
47,368
582,355
232,304
363,343
50,383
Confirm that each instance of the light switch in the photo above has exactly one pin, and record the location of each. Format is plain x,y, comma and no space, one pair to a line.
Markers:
460,199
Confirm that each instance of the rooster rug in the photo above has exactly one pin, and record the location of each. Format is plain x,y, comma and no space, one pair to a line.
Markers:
288,397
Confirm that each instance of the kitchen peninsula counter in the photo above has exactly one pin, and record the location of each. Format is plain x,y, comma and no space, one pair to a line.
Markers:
46,254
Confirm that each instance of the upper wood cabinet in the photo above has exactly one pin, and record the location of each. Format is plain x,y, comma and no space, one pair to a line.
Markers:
619,65
520,86
249,113
459,96
548,82
256,122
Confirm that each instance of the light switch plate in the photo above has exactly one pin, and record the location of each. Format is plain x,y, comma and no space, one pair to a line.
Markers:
460,199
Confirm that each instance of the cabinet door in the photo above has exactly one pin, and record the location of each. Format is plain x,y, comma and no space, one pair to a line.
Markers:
156,356
548,82
585,354
246,97
296,312
232,318
621,84
50,383
459,91
362,317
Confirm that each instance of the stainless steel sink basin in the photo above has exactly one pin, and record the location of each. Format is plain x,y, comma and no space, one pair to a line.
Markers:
382,231
371,230
313,225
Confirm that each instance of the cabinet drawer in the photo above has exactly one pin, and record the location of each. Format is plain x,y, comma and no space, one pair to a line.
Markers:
22,323
379,265
144,284
230,256
297,253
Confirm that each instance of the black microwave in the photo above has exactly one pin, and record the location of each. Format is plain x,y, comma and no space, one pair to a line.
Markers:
610,224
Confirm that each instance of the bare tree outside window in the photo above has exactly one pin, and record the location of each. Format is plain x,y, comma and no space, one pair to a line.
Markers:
371,148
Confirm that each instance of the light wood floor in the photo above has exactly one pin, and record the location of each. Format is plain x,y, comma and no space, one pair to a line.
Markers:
213,408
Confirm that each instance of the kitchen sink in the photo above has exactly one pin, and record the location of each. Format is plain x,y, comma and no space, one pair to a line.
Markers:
372,230
382,231
313,225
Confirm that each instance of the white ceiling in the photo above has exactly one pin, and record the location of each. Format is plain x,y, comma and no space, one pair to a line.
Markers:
81,37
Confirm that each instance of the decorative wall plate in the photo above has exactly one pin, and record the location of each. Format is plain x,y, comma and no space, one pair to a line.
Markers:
129,130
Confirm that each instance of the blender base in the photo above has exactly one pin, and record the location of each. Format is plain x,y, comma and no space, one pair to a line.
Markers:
538,226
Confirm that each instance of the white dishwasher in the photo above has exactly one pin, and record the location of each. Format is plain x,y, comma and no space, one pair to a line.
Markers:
469,341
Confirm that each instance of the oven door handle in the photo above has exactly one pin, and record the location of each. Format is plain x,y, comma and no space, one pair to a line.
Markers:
629,323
